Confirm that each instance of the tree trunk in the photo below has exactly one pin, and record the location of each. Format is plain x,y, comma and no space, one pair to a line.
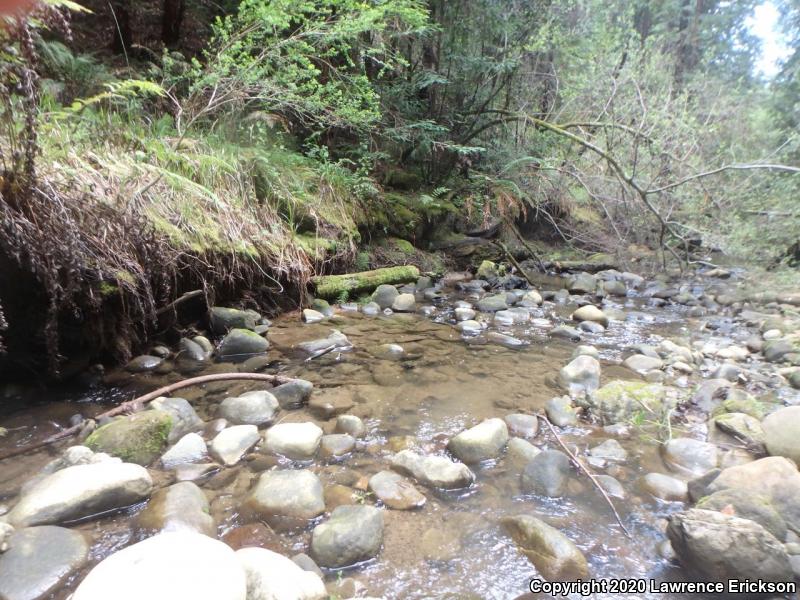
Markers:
171,21
123,36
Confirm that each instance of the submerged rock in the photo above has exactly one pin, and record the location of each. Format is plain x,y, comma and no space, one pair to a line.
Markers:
482,442
293,394
665,487
718,547
168,565
395,491
337,445
352,535
271,576
690,456
547,474
81,491
139,438
39,561
552,553
434,471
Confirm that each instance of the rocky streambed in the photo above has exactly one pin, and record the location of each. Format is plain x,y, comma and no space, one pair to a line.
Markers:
407,458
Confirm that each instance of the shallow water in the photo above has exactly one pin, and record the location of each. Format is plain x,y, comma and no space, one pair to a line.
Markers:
453,547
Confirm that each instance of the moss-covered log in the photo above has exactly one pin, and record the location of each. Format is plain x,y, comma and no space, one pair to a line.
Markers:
332,287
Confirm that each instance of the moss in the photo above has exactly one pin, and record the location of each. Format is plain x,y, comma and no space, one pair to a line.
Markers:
403,246
332,286
107,289
139,439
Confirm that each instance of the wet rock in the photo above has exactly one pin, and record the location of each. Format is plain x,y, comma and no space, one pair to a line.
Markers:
710,393
255,535
525,426
743,427
742,402
271,576
312,316
39,561
322,306
440,545
775,350
690,456
665,487
294,394
191,350
240,344
469,327
618,401
794,379
395,491
590,313
168,565
512,316
296,496
184,417
353,534
493,303
192,472
552,553
350,424
297,441
591,327
727,371
567,332
144,364
482,442
434,471
384,295
547,474
560,411
586,350
747,505
371,309
223,319
582,375
531,299
251,408
388,351
641,363
464,314
231,444
339,495
179,507
774,477
81,491
503,339
782,433
191,448
332,402
610,450
521,451
404,303
582,283
718,547
615,288
337,445
305,562
138,438
611,486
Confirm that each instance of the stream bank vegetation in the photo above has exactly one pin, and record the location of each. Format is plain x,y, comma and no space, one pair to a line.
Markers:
151,149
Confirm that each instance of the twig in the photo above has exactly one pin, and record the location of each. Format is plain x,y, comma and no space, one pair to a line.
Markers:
140,400
514,261
586,471
179,300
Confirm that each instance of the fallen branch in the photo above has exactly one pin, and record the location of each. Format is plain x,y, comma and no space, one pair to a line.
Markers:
585,471
333,286
514,262
179,300
139,401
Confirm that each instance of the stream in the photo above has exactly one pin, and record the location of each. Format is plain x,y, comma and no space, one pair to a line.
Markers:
416,381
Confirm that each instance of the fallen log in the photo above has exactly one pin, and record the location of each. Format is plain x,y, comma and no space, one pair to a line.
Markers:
140,401
332,287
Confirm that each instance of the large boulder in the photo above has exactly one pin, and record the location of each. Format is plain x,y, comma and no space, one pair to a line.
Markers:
582,375
241,344
298,441
434,471
81,491
717,547
618,401
774,477
547,474
552,553
39,561
353,534
232,443
251,408
168,565
139,438
384,295
179,507
271,576
582,283
395,491
782,433
746,505
287,497
482,442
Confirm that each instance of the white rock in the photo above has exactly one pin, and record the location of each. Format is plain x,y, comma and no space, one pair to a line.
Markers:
298,441
168,566
191,448
271,576
482,442
231,444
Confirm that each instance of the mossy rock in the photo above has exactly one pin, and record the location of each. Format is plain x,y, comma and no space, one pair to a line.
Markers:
139,438
333,286
622,401
739,401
